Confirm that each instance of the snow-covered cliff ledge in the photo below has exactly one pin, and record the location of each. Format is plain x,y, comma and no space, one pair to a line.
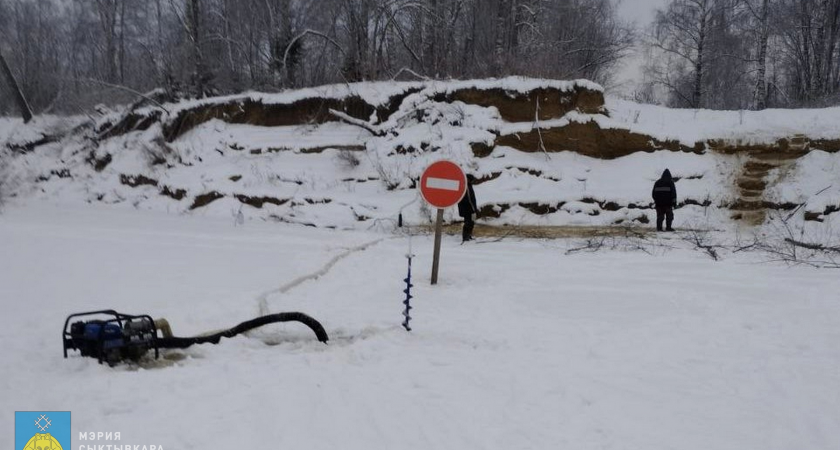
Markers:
546,152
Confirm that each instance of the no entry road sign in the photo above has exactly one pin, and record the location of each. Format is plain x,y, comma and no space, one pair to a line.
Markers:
443,184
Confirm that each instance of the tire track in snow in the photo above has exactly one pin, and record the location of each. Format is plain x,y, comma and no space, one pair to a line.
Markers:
262,299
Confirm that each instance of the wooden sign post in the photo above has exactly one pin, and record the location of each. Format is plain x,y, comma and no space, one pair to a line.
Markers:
436,257
442,185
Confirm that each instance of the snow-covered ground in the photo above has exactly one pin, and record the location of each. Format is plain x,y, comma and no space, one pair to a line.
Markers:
690,126
518,346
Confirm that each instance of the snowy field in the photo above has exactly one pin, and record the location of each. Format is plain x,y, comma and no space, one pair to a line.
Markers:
518,347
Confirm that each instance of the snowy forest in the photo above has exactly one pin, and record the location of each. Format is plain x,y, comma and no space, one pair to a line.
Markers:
70,55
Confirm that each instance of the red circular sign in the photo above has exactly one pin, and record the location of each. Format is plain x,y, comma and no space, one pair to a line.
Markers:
443,184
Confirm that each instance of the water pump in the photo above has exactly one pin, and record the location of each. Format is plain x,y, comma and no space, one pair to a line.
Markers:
114,337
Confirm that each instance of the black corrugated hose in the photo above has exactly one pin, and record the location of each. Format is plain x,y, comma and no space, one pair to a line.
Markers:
184,342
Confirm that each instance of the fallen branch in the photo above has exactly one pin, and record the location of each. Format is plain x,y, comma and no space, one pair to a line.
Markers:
128,111
25,109
812,246
411,72
372,129
147,96
510,232
314,33
632,240
700,242
536,126
590,245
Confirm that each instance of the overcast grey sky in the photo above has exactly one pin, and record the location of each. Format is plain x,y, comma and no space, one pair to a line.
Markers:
641,12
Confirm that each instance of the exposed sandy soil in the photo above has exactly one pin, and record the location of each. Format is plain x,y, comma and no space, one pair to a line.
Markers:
542,232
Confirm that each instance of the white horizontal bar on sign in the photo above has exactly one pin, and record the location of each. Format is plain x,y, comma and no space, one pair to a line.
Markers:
443,183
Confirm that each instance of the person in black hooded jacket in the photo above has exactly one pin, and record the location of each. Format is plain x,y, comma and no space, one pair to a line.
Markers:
467,209
665,197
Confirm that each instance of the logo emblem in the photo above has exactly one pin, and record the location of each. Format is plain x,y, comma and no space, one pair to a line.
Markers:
42,430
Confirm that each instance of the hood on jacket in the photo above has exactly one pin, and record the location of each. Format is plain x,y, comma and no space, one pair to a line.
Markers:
666,175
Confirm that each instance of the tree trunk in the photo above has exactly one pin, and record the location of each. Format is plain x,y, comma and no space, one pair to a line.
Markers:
833,16
194,18
515,28
286,36
364,47
234,73
760,93
356,64
502,16
122,43
805,29
819,51
430,49
108,21
697,97
164,71
468,57
25,111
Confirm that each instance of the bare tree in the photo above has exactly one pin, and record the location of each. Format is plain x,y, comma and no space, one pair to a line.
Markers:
761,14
704,53
199,47
682,30
108,14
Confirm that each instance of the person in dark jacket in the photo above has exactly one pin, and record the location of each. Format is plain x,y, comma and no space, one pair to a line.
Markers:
665,197
467,209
